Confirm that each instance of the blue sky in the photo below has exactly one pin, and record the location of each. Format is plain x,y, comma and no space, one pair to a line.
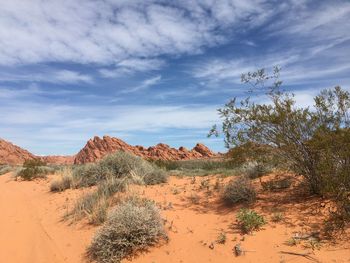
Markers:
154,71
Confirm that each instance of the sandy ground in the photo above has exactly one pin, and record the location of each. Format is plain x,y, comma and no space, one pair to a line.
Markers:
32,230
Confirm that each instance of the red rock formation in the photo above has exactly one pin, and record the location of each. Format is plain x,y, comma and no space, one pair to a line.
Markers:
58,159
12,154
96,148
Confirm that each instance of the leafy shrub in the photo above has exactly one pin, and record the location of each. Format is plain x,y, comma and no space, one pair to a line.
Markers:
249,220
306,139
33,169
239,190
133,226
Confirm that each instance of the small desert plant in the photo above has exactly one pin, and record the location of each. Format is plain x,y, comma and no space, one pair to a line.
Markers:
239,190
255,169
221,239
277,217
194,198
133,226
292,242
249,220
5,169
65,182
94,205
276,185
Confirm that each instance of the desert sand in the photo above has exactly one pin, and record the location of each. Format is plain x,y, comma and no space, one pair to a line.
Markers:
32,229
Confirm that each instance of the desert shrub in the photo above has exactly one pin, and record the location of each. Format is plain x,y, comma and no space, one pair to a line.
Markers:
94,205
33,169
276,185
119,165
277,217
5,169
88,174
314,142
255,170
131,227
249,220
66,181
239,191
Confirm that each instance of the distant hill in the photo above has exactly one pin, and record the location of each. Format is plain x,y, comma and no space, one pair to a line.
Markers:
12,154
15,155
96,148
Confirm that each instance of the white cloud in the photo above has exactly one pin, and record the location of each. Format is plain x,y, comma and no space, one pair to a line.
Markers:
105,32
52,128
144,85
129,66
49,76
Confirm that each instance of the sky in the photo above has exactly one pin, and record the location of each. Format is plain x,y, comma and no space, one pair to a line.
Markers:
155,71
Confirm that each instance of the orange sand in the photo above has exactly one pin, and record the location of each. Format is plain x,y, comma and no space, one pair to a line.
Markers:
32,230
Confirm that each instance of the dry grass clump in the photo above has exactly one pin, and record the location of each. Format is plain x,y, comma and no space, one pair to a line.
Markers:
276,185
65,182
239,191
94,205
255,169
132,226
119,165
5,169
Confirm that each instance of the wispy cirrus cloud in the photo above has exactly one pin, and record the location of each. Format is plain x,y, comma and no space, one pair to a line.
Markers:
45,75
147,83
134,65
105,32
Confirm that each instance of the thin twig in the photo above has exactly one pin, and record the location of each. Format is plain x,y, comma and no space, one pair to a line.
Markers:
307,256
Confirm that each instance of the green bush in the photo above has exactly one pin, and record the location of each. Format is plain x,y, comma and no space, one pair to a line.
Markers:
249,220
313,141
33,169
131,227
239,191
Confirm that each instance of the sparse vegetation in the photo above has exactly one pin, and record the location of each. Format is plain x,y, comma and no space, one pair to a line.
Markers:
313,142
277,217
239,191
119,165
94,205
66,181
33,169
221,239
5,169
199,167
276,185
255,169
249,220
132,226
